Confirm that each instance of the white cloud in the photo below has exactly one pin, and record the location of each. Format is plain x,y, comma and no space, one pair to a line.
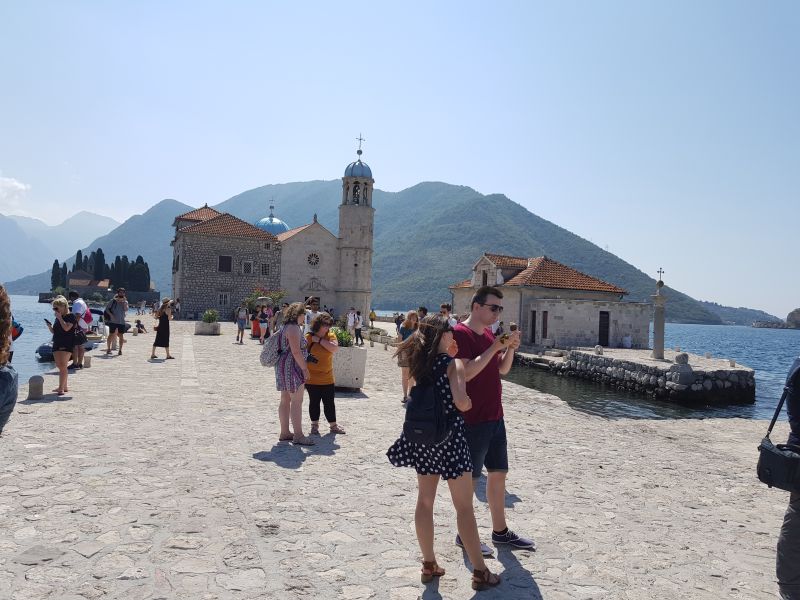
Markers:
12,196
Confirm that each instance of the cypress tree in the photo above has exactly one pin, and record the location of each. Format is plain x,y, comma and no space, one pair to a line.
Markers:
100,268
63,281
78,261
85,263
55,275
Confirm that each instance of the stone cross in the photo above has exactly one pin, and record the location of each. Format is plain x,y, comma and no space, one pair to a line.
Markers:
360,139
660,273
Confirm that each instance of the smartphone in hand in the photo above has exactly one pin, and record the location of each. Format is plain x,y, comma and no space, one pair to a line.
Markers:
48,322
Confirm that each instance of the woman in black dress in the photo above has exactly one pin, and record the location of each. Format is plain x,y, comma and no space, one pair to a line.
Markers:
63,330
164,314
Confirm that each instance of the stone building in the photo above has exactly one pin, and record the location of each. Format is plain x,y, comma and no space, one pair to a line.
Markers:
218,259
557,306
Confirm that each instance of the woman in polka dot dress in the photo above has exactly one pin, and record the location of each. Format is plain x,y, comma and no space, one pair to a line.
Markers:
430,352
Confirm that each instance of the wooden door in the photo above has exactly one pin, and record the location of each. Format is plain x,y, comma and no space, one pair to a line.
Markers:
604,328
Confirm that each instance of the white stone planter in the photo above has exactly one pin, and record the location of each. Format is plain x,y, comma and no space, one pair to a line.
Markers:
350,367
203,328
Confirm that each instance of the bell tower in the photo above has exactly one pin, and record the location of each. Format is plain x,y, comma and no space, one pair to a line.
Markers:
356,217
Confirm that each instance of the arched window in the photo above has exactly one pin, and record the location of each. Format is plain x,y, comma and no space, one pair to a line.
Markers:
356,193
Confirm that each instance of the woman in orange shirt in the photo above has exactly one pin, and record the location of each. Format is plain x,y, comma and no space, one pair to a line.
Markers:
322,345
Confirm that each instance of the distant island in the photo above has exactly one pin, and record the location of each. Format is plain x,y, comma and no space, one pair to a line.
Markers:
741,315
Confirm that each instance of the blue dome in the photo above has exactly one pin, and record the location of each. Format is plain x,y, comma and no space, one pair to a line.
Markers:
358,169
272,225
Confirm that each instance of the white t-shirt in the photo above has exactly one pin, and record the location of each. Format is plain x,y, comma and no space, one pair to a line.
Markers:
310,314
358,322
79,308
351,319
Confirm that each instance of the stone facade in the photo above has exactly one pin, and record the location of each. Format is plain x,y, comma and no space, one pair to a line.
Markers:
310,265
556,306
200,284
304,261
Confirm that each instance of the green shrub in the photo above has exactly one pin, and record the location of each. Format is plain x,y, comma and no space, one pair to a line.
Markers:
210,316
343,337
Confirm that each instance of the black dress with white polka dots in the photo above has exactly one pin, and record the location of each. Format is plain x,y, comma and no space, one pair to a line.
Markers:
450,458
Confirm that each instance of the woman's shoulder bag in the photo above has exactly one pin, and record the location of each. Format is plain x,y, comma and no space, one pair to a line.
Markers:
779,464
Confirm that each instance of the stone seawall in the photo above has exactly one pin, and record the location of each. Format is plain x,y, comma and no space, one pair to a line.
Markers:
685,378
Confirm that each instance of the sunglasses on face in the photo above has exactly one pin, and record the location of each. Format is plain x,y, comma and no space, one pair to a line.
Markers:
495,308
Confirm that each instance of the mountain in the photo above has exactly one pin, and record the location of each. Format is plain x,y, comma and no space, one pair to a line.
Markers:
740,315
64,239
20,253
445,228
148,234
426,237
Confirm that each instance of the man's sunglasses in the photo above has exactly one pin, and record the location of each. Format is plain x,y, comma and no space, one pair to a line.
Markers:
496,308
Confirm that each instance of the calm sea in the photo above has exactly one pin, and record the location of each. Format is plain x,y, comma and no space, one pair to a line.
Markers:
769,351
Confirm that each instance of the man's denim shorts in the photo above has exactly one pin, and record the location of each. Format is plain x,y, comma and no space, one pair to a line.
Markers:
487,446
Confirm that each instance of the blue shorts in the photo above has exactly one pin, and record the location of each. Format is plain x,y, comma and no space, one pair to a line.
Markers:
488,447
240,324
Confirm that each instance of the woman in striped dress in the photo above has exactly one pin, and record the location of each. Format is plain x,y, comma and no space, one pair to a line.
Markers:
291,373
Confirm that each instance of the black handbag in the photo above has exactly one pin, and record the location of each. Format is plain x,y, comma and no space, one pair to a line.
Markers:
779,464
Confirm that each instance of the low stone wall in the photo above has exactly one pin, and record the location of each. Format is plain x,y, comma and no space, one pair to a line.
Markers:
662,379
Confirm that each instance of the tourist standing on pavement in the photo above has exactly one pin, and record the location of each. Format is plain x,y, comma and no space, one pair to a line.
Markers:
63,330
406,330
9,380
264,317
430,356
79,309
322,345
312,312
445,310
485,359
115,319
787,564
277,318
359,324
291,372
372,317
163,314
177,308
351,322
241,321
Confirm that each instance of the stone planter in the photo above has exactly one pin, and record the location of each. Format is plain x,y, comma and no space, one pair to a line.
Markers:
350,367
203,328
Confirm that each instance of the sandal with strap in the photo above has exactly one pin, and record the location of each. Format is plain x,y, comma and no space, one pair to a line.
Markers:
430,570
303,441
484,579
337,429
286,438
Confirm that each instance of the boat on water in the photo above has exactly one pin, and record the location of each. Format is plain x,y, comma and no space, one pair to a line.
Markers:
44,353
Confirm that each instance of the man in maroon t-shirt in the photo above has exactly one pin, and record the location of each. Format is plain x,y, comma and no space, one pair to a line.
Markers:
485,359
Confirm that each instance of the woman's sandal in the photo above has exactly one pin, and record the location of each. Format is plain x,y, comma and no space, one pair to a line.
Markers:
484,579
286,438
337,429
430,570
303,441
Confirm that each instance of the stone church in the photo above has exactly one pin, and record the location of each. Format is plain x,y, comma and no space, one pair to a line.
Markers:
219,259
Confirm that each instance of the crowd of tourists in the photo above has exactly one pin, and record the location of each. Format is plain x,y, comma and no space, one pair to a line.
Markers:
453,363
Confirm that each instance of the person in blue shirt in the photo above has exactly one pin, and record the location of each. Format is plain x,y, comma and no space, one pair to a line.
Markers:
9,381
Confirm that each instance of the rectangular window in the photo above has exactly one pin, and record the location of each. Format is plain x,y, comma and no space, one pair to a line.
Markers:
247,267
544,323
225,264
224,299
265,269
266,246
177,265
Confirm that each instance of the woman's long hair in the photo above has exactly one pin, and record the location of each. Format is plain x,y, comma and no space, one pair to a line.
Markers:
408,323
422,347
5,325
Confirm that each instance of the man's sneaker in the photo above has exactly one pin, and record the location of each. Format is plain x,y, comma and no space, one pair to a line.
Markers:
485,550
512,539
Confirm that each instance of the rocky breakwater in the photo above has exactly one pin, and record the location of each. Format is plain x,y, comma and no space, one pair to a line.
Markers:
679,377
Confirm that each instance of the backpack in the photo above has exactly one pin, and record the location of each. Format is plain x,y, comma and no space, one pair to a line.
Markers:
426,421
108,312
87,316
271,352
16,329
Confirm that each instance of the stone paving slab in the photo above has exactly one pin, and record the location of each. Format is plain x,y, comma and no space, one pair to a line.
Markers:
166,480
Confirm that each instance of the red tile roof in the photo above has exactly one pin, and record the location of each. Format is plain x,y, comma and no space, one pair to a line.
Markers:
199,214
546,272
225,225
464,284
287,234
507,262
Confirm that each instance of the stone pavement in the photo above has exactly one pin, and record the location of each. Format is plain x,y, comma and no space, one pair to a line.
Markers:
165,480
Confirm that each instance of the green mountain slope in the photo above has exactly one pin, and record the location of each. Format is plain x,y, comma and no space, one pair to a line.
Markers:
739,316
426,237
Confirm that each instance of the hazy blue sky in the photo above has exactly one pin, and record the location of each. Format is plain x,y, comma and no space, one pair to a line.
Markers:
667,133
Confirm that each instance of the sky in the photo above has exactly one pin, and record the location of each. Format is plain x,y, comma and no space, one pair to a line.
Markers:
666,133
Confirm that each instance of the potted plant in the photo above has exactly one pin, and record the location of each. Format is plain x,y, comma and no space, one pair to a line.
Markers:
209,325
349,362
